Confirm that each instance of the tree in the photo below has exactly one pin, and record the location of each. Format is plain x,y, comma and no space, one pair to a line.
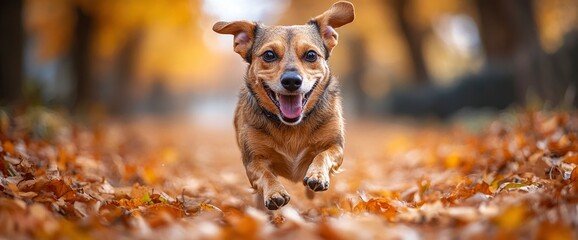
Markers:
11,51
413,39
509,35
80,53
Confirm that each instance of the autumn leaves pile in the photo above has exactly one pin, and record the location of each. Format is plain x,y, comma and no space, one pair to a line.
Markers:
517,177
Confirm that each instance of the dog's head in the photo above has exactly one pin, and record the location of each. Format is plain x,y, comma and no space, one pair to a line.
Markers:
288,64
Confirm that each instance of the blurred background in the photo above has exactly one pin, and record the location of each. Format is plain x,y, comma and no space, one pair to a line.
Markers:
417,58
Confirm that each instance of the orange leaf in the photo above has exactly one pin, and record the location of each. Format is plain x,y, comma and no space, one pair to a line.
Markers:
60,190
8,147
161,214
377,206
555,231
572,159
482,187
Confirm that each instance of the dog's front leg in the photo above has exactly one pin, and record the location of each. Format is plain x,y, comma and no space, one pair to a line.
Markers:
271,191
326,162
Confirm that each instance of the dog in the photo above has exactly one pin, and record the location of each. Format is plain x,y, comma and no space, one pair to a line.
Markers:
288,119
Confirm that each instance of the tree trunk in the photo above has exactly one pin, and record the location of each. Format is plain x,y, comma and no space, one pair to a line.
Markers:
11,51
355,77
80,53
509,35
414,40
124,99
497,31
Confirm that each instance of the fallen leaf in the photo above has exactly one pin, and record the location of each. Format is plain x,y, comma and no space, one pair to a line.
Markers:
511,218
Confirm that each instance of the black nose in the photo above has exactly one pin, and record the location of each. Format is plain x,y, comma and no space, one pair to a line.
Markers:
291,80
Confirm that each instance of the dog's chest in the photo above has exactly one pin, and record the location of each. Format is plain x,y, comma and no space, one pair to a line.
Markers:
293,157
293,163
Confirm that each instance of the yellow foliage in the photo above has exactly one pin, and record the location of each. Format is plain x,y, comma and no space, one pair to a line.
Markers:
452,160
512,218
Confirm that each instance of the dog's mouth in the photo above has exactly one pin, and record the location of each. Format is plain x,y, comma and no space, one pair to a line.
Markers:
290,105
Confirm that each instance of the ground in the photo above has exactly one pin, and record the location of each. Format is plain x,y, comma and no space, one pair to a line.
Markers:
143,177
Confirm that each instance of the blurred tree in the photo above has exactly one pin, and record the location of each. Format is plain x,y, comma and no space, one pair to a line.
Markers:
510,36
492,87
496,29
122,95
120,50
414,39
508,33
81,59
11,50
358,55
113,51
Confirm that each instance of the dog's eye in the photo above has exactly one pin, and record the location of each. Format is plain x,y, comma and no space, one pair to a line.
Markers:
311,56
269,56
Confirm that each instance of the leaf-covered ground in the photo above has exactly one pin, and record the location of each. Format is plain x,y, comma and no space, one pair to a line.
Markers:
166,179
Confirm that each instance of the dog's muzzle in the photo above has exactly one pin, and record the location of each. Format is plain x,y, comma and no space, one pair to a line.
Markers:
291,80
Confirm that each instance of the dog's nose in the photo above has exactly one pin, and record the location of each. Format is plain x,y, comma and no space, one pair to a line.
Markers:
291,80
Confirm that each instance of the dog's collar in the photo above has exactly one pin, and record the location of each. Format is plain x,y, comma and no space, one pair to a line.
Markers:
270,115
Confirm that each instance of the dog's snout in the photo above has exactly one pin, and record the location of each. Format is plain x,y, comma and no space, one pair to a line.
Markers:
291,80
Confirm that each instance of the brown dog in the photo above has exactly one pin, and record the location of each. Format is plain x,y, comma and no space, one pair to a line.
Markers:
289,118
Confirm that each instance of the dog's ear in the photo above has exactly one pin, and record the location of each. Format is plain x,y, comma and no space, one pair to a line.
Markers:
244,32
339,14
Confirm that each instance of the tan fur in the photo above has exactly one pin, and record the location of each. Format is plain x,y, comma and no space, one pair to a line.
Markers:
312,148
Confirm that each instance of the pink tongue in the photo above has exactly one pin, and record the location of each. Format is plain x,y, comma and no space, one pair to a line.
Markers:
290,105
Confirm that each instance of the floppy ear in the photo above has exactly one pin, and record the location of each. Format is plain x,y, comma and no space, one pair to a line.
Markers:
244,32
339,14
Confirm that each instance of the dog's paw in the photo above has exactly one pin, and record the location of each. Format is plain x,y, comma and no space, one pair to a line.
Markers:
277,200
316,181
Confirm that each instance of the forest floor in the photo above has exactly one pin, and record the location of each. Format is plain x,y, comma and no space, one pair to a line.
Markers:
514,177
